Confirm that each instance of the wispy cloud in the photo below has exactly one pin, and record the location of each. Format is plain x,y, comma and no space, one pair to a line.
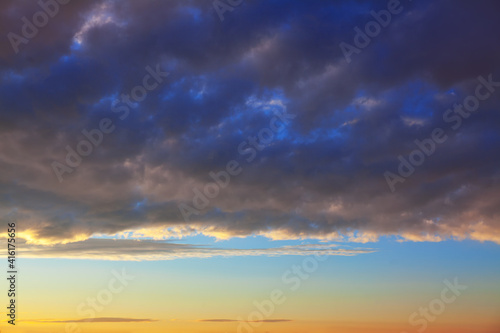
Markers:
253,321
125,249
90,320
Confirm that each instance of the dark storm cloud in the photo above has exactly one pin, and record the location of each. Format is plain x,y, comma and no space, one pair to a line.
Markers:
321,176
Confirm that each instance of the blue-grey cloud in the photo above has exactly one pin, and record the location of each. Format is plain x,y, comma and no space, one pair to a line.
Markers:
320,177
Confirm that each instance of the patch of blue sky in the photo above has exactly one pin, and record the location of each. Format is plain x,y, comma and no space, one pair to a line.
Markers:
75,46
172,90
419,99
198,88
140,204
318,135
194,12
11,76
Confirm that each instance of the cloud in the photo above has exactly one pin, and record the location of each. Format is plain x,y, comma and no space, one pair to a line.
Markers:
217,320
320,178
254,321
138,250
91,320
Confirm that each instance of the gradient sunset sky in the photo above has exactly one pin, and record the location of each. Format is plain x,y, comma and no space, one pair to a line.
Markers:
251,166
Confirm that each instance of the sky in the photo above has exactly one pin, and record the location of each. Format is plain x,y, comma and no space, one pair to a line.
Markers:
251,166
